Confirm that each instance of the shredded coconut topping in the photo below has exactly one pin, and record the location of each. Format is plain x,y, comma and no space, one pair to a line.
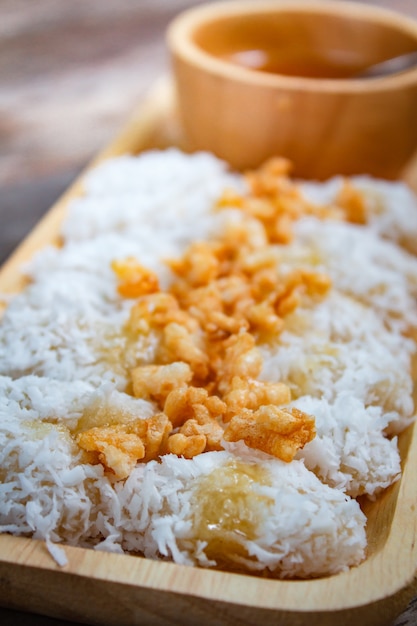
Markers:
212,367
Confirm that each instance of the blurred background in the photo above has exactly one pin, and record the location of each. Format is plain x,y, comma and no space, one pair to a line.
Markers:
71,73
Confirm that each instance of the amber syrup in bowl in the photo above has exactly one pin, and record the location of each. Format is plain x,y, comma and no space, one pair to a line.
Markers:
336,64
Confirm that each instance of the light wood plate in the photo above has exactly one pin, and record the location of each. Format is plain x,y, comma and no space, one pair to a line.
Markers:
102,588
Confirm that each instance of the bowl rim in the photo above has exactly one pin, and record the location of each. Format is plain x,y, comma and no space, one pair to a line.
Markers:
181,45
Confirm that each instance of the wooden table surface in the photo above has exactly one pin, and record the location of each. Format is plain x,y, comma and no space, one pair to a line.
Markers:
71,72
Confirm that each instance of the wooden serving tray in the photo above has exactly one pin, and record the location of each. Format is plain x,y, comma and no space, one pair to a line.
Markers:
109,589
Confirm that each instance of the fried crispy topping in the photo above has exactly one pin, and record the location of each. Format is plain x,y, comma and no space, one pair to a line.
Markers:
245,393
276,431
154,311
193,403
229,294
186,446
198,414
179,344
134,279
352,202
276,201
118,447
155,382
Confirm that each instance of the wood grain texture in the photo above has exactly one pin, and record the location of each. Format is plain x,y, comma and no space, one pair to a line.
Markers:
109,589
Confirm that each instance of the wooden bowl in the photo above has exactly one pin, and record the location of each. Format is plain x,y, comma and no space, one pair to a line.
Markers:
256,79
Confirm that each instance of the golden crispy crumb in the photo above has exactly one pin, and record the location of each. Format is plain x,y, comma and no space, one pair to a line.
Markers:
179,344
186,403
241,358
277,202
245,393
134,279
120,446
199,265
155,311
264,319
116,449
295,284
155,382
188,447
353,203
210,428
276,431
158,430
